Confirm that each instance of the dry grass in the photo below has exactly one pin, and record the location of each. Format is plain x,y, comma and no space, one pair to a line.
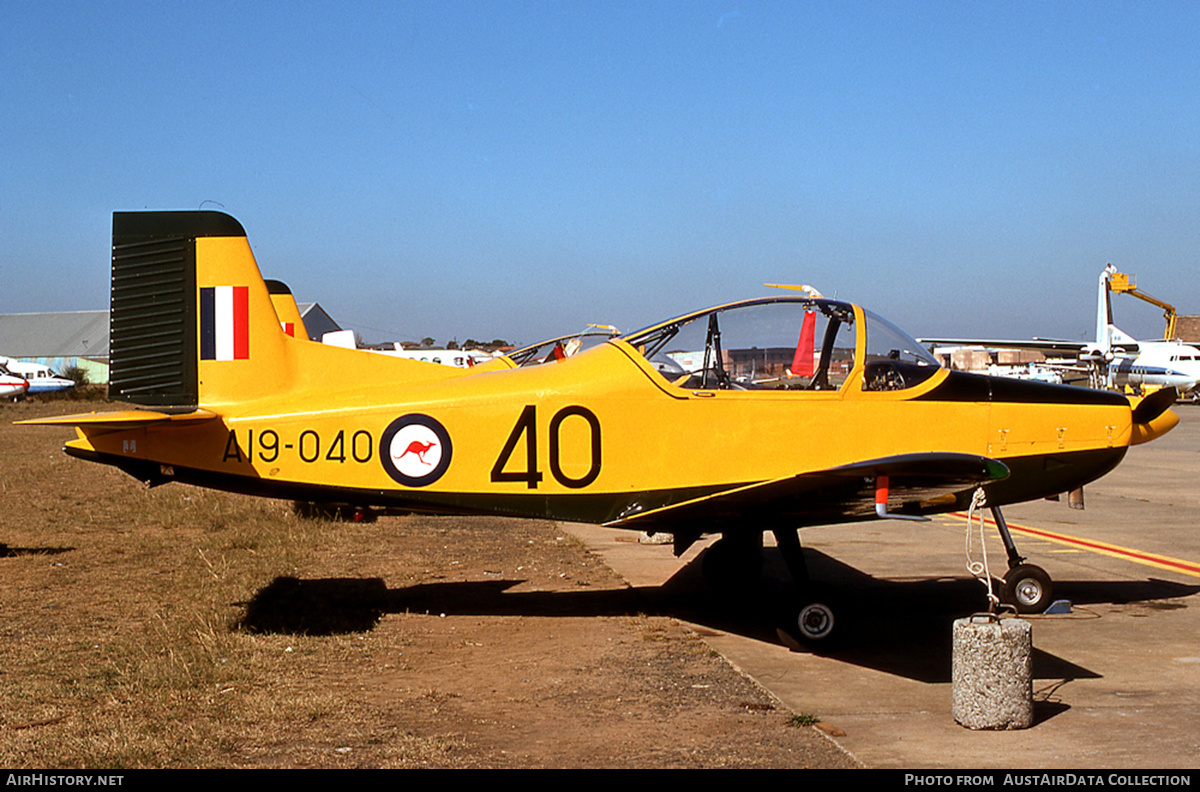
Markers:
122,613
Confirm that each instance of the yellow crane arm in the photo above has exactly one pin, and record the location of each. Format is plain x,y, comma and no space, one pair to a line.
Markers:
1121,283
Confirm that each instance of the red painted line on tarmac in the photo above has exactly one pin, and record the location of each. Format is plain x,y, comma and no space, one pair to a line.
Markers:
1165,562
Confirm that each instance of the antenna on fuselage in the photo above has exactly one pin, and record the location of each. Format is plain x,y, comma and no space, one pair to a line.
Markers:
805,289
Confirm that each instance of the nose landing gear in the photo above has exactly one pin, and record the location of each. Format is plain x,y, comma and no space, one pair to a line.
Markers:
1027,587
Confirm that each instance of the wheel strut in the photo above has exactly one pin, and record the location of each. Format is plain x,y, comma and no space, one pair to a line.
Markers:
1026,586
812,619
788,542
1010,547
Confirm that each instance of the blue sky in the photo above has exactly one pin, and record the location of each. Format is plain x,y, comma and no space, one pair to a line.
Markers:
518,169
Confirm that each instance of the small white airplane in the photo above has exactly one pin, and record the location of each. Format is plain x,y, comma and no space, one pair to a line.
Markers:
1039,372
1115,358
458,358
11,386
40,379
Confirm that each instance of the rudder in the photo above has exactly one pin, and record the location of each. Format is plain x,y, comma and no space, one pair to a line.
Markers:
191,320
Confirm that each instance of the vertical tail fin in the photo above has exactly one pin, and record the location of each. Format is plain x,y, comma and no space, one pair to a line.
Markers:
286,309
1108,335
1104,320
191,321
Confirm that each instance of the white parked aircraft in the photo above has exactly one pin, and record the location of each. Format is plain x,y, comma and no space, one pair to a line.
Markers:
459,358
40,379
1114,359
11,386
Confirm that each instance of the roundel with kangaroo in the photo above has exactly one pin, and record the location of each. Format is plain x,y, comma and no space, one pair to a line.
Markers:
415,450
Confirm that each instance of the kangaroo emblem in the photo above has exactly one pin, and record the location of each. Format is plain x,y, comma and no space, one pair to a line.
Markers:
418,448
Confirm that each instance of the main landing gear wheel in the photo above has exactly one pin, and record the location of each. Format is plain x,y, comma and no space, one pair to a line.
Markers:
814,622
1028,588
815,618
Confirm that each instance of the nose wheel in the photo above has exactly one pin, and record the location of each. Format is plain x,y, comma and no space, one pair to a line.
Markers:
1028,588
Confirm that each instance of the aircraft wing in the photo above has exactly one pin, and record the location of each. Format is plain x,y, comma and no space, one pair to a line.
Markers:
917,483
1049,346
1038,344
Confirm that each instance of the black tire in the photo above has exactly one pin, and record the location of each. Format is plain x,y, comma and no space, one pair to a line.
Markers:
1028,588
816,621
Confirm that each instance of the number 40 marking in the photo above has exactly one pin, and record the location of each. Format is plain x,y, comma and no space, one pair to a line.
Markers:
526,427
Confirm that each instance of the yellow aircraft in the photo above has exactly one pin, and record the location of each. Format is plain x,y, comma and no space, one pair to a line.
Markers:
765,415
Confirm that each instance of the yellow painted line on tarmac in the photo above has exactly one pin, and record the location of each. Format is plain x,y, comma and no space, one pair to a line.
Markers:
1116,551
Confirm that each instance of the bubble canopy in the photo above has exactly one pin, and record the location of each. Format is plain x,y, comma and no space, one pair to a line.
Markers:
783,343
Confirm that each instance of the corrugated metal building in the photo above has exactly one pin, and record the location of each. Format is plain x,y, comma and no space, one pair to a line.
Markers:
80,338
59,340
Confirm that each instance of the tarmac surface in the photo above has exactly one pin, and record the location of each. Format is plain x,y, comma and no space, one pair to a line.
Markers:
1116,679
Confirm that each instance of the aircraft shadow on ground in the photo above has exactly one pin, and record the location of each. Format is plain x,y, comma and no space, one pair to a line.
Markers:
7,551
898,627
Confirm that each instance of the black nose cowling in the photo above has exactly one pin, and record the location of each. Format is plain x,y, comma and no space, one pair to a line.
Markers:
1045,475
1039,475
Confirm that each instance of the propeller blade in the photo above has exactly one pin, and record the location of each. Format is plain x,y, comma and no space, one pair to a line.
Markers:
1154,405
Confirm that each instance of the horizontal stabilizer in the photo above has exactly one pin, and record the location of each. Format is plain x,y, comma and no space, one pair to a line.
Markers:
919,484
121,419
